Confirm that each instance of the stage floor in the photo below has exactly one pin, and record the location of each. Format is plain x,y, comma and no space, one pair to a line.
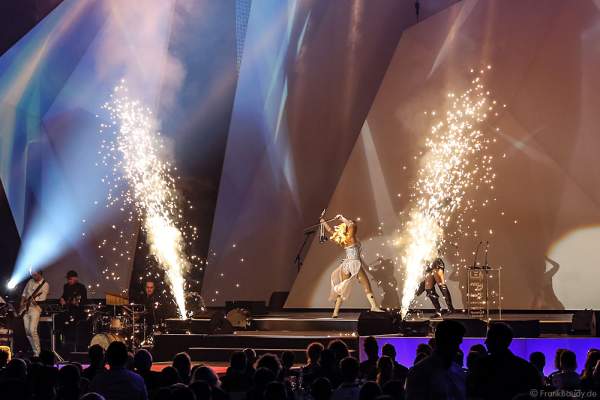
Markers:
294,330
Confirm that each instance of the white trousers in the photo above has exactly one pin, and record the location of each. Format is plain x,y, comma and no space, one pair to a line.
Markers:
31,319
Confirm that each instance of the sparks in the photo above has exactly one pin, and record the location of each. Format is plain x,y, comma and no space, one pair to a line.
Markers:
454,163
151,187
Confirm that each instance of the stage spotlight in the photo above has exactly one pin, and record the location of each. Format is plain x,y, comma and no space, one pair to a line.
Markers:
11,284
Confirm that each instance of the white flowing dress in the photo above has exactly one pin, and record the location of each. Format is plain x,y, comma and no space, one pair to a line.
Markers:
351,264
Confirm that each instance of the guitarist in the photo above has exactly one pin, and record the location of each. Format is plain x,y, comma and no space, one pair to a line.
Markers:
73,298
34,294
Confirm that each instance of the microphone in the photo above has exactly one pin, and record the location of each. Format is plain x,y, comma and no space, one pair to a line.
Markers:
487,246
476,253
323,213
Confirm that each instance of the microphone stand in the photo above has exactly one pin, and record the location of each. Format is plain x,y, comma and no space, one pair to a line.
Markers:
299,259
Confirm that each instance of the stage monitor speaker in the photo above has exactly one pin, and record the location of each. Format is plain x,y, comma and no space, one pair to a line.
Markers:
219,324
277,300
473,327
255,307
376,323
415,328
585,322
527,328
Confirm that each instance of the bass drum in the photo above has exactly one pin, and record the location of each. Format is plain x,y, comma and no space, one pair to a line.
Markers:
104,339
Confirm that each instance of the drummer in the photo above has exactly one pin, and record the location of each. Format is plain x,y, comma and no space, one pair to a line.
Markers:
151,304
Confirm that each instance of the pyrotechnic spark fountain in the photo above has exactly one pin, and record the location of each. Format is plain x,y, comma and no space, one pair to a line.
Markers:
454,163
135,155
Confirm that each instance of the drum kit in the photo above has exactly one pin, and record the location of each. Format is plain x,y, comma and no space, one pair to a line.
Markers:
122,323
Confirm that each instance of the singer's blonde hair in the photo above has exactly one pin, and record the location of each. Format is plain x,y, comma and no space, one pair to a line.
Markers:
340,234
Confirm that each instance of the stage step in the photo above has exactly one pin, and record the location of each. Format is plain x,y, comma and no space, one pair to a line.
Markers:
209,348
304,324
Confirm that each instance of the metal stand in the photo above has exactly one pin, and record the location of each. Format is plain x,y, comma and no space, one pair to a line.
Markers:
53,341
484,289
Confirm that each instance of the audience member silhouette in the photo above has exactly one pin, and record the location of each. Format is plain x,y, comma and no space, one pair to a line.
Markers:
368,368
142,363
339,349
394,389
183,364
312,369
330,368
275,391
236,380
68,383
179,391
437,376
321,389
400,371
538,360
262,377
501,374
350,387
369,391
587,375
96,358
567,378
119,383
385,370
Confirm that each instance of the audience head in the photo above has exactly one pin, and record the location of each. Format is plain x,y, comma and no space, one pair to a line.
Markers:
201,389
538,360
183,364
96,355
328,359
237,361
92,396
448,337
499,337
321,389
16,369
568,361
313,352
473,358
68,375
424,348
142,360
557,358
47,358
389,350
394,388
116,354
479,348
169,376
339,348
250,357
269,361
179,391
263,376
420,357
593,356
287,359
369,391
275,391
431,342
385,370
206,374
349,368
371,348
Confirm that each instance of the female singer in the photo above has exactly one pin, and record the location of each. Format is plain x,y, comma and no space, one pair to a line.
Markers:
344,234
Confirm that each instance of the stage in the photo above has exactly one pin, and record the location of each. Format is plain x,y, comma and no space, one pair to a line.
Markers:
293,330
